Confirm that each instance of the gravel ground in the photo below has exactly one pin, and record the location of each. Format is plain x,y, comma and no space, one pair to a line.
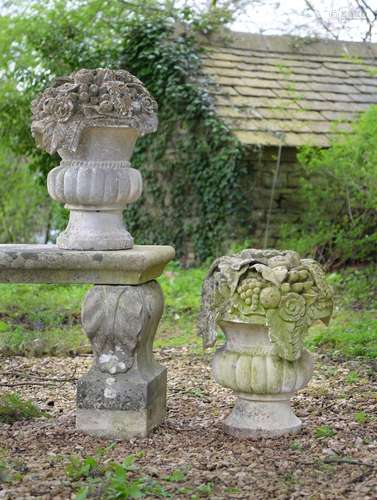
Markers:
191,439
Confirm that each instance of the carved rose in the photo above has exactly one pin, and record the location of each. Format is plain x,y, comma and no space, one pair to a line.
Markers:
62,108
292,307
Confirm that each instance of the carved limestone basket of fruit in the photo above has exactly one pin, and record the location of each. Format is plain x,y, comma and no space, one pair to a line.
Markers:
264,301
93,118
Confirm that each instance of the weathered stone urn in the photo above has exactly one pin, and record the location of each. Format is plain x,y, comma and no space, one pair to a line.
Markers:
93,118
264,301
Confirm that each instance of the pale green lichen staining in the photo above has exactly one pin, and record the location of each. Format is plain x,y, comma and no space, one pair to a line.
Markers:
264,301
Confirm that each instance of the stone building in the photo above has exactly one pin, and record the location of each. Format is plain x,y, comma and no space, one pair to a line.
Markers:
278,93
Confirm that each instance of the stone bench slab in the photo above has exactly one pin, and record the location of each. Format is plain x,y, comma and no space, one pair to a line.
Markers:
50,264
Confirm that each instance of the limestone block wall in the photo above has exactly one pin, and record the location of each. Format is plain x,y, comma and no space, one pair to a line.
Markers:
262,164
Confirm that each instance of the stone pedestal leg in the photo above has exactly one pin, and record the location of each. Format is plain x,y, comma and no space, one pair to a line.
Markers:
124,393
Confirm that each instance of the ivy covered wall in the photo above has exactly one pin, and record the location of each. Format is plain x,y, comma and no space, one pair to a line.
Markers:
193,165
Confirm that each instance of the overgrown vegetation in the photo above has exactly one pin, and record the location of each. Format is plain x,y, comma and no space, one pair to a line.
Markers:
339,221
13,408
45,319
103,478
191,167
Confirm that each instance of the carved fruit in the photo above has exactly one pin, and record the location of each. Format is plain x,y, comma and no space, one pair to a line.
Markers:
270,297
106,107
285,287
297,287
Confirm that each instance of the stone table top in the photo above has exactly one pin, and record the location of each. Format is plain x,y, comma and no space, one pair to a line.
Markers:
50,264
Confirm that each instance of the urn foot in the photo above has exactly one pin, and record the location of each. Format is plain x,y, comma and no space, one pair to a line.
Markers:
267,418
95,230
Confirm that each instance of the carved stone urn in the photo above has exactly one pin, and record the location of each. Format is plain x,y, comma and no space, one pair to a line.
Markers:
93,118
264,301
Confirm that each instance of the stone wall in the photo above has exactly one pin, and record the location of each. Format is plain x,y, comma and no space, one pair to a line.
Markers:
261,165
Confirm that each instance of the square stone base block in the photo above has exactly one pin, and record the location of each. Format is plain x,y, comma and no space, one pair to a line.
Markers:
121,424
123,405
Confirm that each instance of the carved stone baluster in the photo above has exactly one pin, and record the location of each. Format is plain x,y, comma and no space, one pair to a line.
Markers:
124,393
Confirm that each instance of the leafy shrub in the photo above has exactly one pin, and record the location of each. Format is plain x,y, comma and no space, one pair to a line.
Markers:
23,202
339,197
13,408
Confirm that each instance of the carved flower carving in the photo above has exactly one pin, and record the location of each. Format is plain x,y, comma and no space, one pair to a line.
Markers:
62,108
292,307
91,98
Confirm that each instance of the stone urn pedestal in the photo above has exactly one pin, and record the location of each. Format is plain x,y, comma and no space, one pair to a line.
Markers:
264,302
92,119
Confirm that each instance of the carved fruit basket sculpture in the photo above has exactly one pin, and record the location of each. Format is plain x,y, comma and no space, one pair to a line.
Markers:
264,301
93,118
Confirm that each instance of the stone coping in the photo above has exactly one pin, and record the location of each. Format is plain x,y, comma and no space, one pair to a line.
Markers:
50,264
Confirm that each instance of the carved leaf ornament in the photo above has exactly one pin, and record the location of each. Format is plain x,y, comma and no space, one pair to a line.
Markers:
278,289
91,98
113,317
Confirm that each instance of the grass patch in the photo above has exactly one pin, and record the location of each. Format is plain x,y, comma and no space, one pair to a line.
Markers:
324,432
349,334
45,319
13,408
353,330
36,320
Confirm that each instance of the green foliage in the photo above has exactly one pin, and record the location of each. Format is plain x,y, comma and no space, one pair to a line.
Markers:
323,432
352,378
353,329
23,204
339,197
108,479
193,165
355,287
296,445
361,417
13,408
182,290
349,334
41,319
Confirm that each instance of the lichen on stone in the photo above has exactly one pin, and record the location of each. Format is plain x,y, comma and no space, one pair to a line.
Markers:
270,287
91,98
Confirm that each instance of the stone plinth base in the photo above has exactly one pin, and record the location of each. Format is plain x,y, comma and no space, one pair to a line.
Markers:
120,424
121,406
124,393
269,417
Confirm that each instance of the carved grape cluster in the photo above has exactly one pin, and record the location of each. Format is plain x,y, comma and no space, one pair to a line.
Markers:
299,281
249,291
260,292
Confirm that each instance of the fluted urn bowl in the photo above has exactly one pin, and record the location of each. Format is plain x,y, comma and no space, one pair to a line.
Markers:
96,182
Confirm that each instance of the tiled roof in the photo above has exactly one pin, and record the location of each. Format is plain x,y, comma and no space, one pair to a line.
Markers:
279,88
